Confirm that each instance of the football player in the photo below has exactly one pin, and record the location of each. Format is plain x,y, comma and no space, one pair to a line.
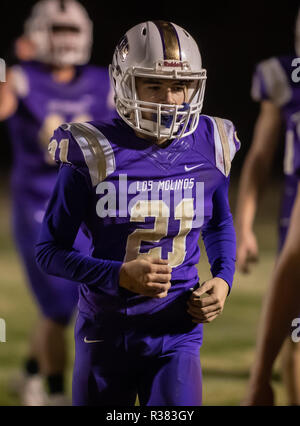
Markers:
144,186
55,86
276,87
282,303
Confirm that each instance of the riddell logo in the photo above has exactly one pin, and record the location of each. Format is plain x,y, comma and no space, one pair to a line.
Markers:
172,64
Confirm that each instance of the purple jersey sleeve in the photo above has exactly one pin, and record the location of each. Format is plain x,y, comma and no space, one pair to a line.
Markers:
219,237
221,143
65,213
270,82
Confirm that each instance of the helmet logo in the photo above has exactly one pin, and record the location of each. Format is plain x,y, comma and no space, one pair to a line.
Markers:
123,48
173,64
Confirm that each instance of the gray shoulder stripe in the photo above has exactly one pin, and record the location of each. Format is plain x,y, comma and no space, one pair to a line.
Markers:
288,163
225,145
96,149
106,148
276,81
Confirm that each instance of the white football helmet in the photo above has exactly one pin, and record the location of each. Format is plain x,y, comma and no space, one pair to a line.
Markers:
70,46
161,50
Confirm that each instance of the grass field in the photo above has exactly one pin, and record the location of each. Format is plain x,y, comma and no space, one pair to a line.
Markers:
228,349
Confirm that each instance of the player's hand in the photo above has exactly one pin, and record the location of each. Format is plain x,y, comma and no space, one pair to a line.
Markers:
146,276
259,394
247,251
25,49
206,309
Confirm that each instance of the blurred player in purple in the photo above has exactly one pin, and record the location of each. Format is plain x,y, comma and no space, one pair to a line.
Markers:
276,87
145,186
40,94
282,303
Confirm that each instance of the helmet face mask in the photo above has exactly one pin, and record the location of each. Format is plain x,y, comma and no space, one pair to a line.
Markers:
61,32
147,59
63,45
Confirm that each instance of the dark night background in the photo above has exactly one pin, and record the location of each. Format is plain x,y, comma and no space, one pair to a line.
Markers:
232,35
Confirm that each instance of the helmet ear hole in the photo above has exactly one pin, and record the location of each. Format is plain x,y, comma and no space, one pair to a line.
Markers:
144,31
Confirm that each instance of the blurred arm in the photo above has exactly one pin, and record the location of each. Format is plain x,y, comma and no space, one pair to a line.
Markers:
8,99
280,307
253,177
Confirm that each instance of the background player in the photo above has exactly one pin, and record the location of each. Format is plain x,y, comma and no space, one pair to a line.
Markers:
40,94
275,87
144,185
282,303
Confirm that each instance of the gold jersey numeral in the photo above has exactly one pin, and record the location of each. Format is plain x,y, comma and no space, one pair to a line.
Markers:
63,150
52,147
52,122
63,147
184,212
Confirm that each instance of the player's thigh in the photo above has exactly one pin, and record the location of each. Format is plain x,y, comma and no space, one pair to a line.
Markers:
101,374
173,379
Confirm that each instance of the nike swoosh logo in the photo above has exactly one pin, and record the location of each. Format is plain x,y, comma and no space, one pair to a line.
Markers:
92,341
187,169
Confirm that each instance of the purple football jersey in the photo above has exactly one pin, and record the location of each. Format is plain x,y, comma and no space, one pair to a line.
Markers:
276,80
43,104
143,199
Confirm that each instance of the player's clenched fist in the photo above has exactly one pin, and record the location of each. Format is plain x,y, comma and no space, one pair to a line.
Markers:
146,276
206,309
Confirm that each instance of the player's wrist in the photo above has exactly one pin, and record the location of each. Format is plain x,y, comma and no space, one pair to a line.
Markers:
123,275
222,285
243,232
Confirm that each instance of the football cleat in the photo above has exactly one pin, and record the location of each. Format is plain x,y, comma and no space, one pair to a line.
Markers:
58,400
32,391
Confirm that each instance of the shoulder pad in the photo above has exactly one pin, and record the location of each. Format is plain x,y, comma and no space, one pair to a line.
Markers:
82,144
20,81
222,135
270,82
